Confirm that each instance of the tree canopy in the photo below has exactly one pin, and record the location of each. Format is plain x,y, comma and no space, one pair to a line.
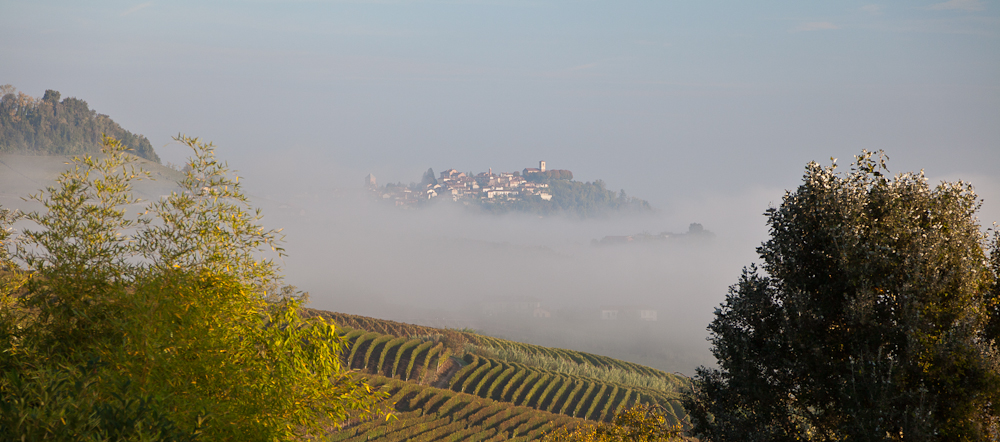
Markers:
872,317
125,320
548,175
48,126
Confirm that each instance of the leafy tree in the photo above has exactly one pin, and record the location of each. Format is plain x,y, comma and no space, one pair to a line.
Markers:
868,319
555,174
163,322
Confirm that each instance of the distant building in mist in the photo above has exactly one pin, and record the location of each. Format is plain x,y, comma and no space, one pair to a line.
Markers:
515,307
370,182
627,313
541,168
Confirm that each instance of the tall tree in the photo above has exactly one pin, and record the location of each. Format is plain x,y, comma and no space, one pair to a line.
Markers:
428,178
867,321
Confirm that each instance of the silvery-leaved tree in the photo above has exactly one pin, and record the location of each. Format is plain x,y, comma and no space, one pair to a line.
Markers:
156,321
872,318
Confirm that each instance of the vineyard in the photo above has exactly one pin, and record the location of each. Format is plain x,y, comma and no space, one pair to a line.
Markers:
460,341
555,392
423,413
399,358
502,388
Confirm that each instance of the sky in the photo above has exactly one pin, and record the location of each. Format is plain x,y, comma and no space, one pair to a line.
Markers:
659,98
708,110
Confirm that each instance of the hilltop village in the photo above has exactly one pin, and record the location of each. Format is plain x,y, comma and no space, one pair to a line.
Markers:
483,188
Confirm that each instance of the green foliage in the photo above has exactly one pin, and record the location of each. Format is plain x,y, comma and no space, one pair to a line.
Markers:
870,322
428,178
62,404
48,126
158,322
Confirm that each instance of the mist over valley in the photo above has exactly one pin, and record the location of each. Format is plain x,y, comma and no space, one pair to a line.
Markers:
512,219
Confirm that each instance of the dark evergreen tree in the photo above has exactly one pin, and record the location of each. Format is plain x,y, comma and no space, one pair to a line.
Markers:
428,178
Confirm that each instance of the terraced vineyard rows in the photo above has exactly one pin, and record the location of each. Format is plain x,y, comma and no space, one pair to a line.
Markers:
430,414
400,329
576,396
555,392
489,388
570,355
385,355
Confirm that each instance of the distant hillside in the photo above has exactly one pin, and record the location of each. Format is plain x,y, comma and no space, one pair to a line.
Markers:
48,126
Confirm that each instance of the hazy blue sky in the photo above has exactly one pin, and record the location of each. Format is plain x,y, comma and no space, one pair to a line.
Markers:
665,99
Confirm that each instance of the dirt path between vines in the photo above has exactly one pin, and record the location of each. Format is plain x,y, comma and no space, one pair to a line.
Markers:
445,371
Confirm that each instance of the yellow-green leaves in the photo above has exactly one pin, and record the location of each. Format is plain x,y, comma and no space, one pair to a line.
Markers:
165,322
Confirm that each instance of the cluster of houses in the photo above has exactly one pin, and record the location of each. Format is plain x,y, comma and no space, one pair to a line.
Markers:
514,307
485,187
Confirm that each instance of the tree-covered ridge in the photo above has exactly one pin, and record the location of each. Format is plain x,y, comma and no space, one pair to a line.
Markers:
48,126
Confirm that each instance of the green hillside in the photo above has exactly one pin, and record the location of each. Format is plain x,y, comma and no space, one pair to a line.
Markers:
508,375
50,126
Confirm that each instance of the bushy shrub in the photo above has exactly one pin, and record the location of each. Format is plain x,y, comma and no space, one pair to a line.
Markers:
124,322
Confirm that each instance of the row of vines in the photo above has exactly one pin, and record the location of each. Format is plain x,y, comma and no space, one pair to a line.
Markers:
417,360
458,339
555,392
423,413
386,355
